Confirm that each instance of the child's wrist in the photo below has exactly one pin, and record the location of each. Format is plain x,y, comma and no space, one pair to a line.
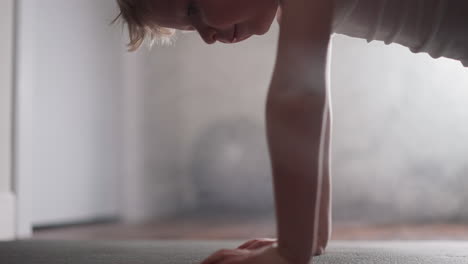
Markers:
291,258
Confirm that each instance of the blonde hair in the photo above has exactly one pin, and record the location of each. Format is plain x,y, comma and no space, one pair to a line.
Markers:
140,27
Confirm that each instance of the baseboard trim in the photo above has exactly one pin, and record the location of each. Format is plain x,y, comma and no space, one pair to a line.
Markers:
8,216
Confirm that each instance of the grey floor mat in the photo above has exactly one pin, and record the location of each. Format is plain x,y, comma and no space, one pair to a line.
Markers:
191,252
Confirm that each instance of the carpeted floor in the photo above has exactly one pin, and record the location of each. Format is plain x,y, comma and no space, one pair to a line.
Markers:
194,251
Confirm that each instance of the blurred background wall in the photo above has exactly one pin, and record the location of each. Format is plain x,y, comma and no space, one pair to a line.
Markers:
180,129
398,148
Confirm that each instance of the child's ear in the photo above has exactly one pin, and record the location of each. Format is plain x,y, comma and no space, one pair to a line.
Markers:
278,15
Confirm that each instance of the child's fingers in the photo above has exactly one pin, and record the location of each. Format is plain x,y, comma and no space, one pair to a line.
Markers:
260,244
257,243
247,244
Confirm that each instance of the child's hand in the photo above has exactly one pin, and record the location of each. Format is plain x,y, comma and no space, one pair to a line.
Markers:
258,243
264,255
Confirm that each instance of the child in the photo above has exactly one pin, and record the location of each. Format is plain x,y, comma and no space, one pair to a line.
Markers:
298,110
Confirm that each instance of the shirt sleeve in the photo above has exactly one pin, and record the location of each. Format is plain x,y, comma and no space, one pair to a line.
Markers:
436,27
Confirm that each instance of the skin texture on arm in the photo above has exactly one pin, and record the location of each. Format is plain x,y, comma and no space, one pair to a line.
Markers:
296,124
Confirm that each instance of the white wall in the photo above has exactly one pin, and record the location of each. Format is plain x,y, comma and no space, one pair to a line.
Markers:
172,100
153,179
224,153
6,116
399,148
86,126
70,112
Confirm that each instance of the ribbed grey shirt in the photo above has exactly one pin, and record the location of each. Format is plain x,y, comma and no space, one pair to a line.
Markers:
437,27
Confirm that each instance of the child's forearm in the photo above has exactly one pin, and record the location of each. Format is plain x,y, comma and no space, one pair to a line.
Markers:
295,123
294,133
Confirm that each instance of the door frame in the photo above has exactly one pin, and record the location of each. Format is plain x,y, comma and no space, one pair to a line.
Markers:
7,195
25,77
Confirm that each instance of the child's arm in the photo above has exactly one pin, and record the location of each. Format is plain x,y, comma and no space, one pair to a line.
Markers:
295,120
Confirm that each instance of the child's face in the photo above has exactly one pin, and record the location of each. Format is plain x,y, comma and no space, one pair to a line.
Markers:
227,21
